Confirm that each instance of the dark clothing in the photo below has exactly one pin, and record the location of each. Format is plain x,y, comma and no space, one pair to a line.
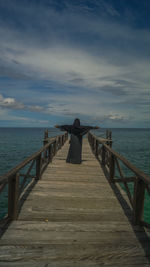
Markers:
75,149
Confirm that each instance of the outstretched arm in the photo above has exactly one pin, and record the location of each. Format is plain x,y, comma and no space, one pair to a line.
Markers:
64,127
86,129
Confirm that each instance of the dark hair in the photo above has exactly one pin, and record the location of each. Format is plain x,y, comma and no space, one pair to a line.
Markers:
76,122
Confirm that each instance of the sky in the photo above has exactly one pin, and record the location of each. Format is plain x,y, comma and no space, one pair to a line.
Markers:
66,59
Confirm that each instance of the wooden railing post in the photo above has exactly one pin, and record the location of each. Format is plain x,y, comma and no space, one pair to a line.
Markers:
110,138
63,140
46,134
107,134
45,137
55,147
59,143
66,136
13,195
50,153
96,148
93,144
38,167
103,155
138,202
111,167
45,141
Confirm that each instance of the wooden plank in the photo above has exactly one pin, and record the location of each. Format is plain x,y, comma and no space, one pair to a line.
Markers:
72,226
74,215
72,218
71,263
83,254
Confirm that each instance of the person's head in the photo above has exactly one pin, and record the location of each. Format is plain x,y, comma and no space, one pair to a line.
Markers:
76,123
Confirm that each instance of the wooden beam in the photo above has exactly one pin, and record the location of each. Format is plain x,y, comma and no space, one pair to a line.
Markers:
127,180
138,202
13,195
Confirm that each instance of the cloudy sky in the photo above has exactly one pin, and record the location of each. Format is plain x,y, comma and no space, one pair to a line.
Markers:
62,59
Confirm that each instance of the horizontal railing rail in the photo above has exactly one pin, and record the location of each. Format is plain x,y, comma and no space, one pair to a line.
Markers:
114,165
27,172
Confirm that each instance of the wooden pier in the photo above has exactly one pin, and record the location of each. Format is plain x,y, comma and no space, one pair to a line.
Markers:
76,215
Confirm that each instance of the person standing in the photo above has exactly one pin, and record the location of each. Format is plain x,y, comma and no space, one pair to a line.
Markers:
77,132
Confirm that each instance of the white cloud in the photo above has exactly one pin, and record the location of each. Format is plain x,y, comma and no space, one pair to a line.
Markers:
97,63
116,117
76,66
36,108
10,103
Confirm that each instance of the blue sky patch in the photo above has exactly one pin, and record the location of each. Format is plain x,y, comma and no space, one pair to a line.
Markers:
65,59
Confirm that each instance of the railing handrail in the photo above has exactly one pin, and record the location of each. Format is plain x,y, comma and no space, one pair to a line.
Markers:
132,167
4,178
110,160
36,163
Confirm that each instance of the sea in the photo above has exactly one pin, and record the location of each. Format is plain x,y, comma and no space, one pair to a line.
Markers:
16,144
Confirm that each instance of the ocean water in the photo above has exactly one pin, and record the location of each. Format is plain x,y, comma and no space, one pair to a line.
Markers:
16,144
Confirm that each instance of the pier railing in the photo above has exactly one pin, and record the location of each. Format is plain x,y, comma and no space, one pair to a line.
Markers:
115,166
20,178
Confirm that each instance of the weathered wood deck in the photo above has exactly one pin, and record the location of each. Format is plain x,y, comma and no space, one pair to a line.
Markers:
73,217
